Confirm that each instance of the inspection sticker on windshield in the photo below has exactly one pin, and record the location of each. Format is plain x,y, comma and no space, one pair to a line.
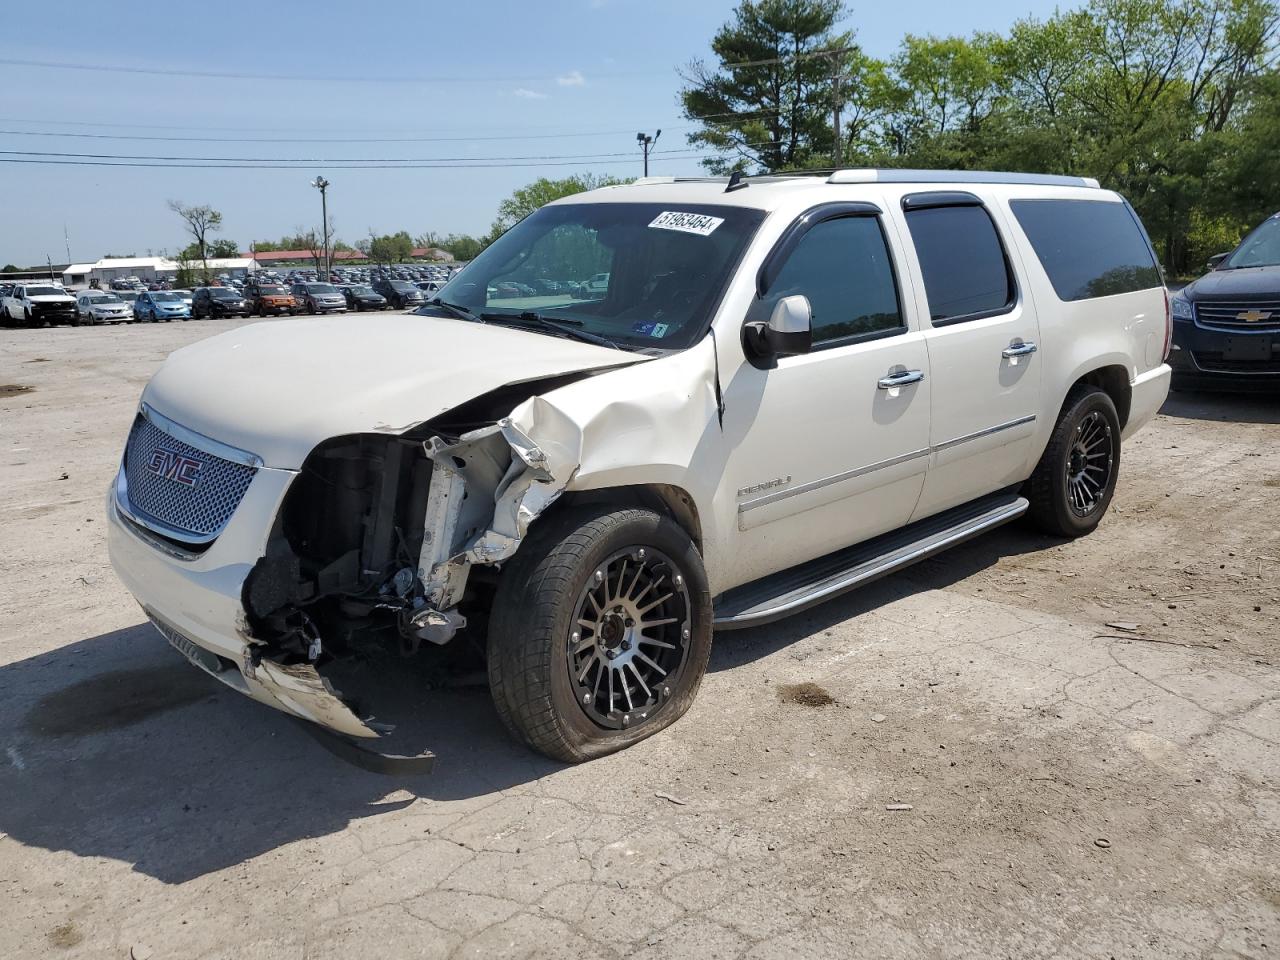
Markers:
698,223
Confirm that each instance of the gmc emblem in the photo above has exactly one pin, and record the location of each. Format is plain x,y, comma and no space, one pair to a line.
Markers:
176,467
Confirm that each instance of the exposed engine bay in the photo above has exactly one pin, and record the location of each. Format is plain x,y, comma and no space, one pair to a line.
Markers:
384,542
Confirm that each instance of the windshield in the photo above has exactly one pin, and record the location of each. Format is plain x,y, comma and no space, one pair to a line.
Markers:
1260,248
222,293
321,288
638,274
106,298
44,292
363,291
165,297
270,289
399,286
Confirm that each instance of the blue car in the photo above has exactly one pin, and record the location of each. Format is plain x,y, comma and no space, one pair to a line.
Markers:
158,305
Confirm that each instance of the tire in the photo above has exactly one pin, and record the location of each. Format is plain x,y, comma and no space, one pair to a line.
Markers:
1085,439
534,625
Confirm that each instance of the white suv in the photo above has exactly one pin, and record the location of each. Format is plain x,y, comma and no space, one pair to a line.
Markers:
786,387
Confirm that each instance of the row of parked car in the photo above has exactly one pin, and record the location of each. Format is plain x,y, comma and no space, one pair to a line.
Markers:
38,303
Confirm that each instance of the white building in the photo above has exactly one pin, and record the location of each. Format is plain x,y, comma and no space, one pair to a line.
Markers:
146,269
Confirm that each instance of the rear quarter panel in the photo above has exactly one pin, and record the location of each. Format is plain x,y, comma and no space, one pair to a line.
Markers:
1125,330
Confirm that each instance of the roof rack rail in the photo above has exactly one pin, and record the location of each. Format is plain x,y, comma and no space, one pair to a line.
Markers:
892,175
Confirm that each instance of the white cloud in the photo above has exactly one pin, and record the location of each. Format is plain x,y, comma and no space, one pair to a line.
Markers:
526,94
573,78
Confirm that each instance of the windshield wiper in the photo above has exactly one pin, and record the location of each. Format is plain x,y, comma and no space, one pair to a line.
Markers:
462,313
565,326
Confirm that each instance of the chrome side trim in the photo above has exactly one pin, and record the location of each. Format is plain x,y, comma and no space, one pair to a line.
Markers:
812,485
748,505
199,440
947,444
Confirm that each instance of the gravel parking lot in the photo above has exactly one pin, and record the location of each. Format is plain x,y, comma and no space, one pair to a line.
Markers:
985,766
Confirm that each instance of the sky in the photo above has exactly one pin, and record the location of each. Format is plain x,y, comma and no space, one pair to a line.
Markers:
563,85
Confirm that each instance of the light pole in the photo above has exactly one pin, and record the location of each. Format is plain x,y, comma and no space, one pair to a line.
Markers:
646,142
321,184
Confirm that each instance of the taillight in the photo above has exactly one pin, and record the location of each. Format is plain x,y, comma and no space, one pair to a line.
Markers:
1168,327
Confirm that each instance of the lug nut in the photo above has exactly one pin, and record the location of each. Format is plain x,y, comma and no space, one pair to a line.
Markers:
586,698
611,654
640,553
626,644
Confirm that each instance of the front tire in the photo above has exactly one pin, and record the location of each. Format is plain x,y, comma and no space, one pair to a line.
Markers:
601,632
1074,482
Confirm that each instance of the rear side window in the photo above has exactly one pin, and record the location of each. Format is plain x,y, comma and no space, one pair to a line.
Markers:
843,267
1089,248
965,272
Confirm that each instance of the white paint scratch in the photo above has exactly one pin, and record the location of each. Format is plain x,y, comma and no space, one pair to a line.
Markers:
15,758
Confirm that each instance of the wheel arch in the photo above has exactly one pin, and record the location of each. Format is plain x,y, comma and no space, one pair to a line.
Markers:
1113,380
663,498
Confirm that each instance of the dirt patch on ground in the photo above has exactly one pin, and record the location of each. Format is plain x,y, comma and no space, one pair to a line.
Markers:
14,390
65,935
805,694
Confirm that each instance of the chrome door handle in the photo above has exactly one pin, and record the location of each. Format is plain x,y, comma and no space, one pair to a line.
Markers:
1023,349
900,379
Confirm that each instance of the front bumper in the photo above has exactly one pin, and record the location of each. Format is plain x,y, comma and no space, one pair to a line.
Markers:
1206,358
196,597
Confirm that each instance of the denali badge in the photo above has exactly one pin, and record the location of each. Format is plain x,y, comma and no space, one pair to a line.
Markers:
176,467
757,487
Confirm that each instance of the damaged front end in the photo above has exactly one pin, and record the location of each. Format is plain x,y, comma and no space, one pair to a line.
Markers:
386,541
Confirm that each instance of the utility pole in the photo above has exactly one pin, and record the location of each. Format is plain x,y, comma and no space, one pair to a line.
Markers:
835,85
646,142
321,184
835,101
49,261
66,237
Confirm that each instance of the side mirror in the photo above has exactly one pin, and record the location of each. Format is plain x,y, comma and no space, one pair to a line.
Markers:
787,332
1217,258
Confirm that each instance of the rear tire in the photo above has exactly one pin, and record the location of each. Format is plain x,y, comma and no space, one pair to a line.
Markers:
1074,481
538,640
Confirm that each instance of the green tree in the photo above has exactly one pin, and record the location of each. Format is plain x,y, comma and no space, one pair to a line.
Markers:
391,248
200,222
218,249
538,194
767,102
9,268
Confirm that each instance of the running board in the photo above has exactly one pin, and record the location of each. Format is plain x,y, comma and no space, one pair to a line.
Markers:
791,591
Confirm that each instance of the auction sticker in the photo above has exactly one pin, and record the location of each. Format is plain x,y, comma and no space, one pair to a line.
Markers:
698,223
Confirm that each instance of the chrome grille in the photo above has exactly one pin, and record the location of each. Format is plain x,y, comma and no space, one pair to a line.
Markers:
1223,313
155,463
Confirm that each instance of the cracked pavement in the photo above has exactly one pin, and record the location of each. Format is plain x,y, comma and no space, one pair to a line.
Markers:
1075,789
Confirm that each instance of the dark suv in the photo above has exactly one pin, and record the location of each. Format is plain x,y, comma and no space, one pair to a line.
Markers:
1226,325
209,302
401,294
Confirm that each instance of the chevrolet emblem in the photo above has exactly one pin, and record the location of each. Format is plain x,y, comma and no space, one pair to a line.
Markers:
1253,316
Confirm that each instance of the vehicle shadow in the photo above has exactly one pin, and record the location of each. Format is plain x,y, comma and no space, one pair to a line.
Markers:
1234,407
737,647
117,748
